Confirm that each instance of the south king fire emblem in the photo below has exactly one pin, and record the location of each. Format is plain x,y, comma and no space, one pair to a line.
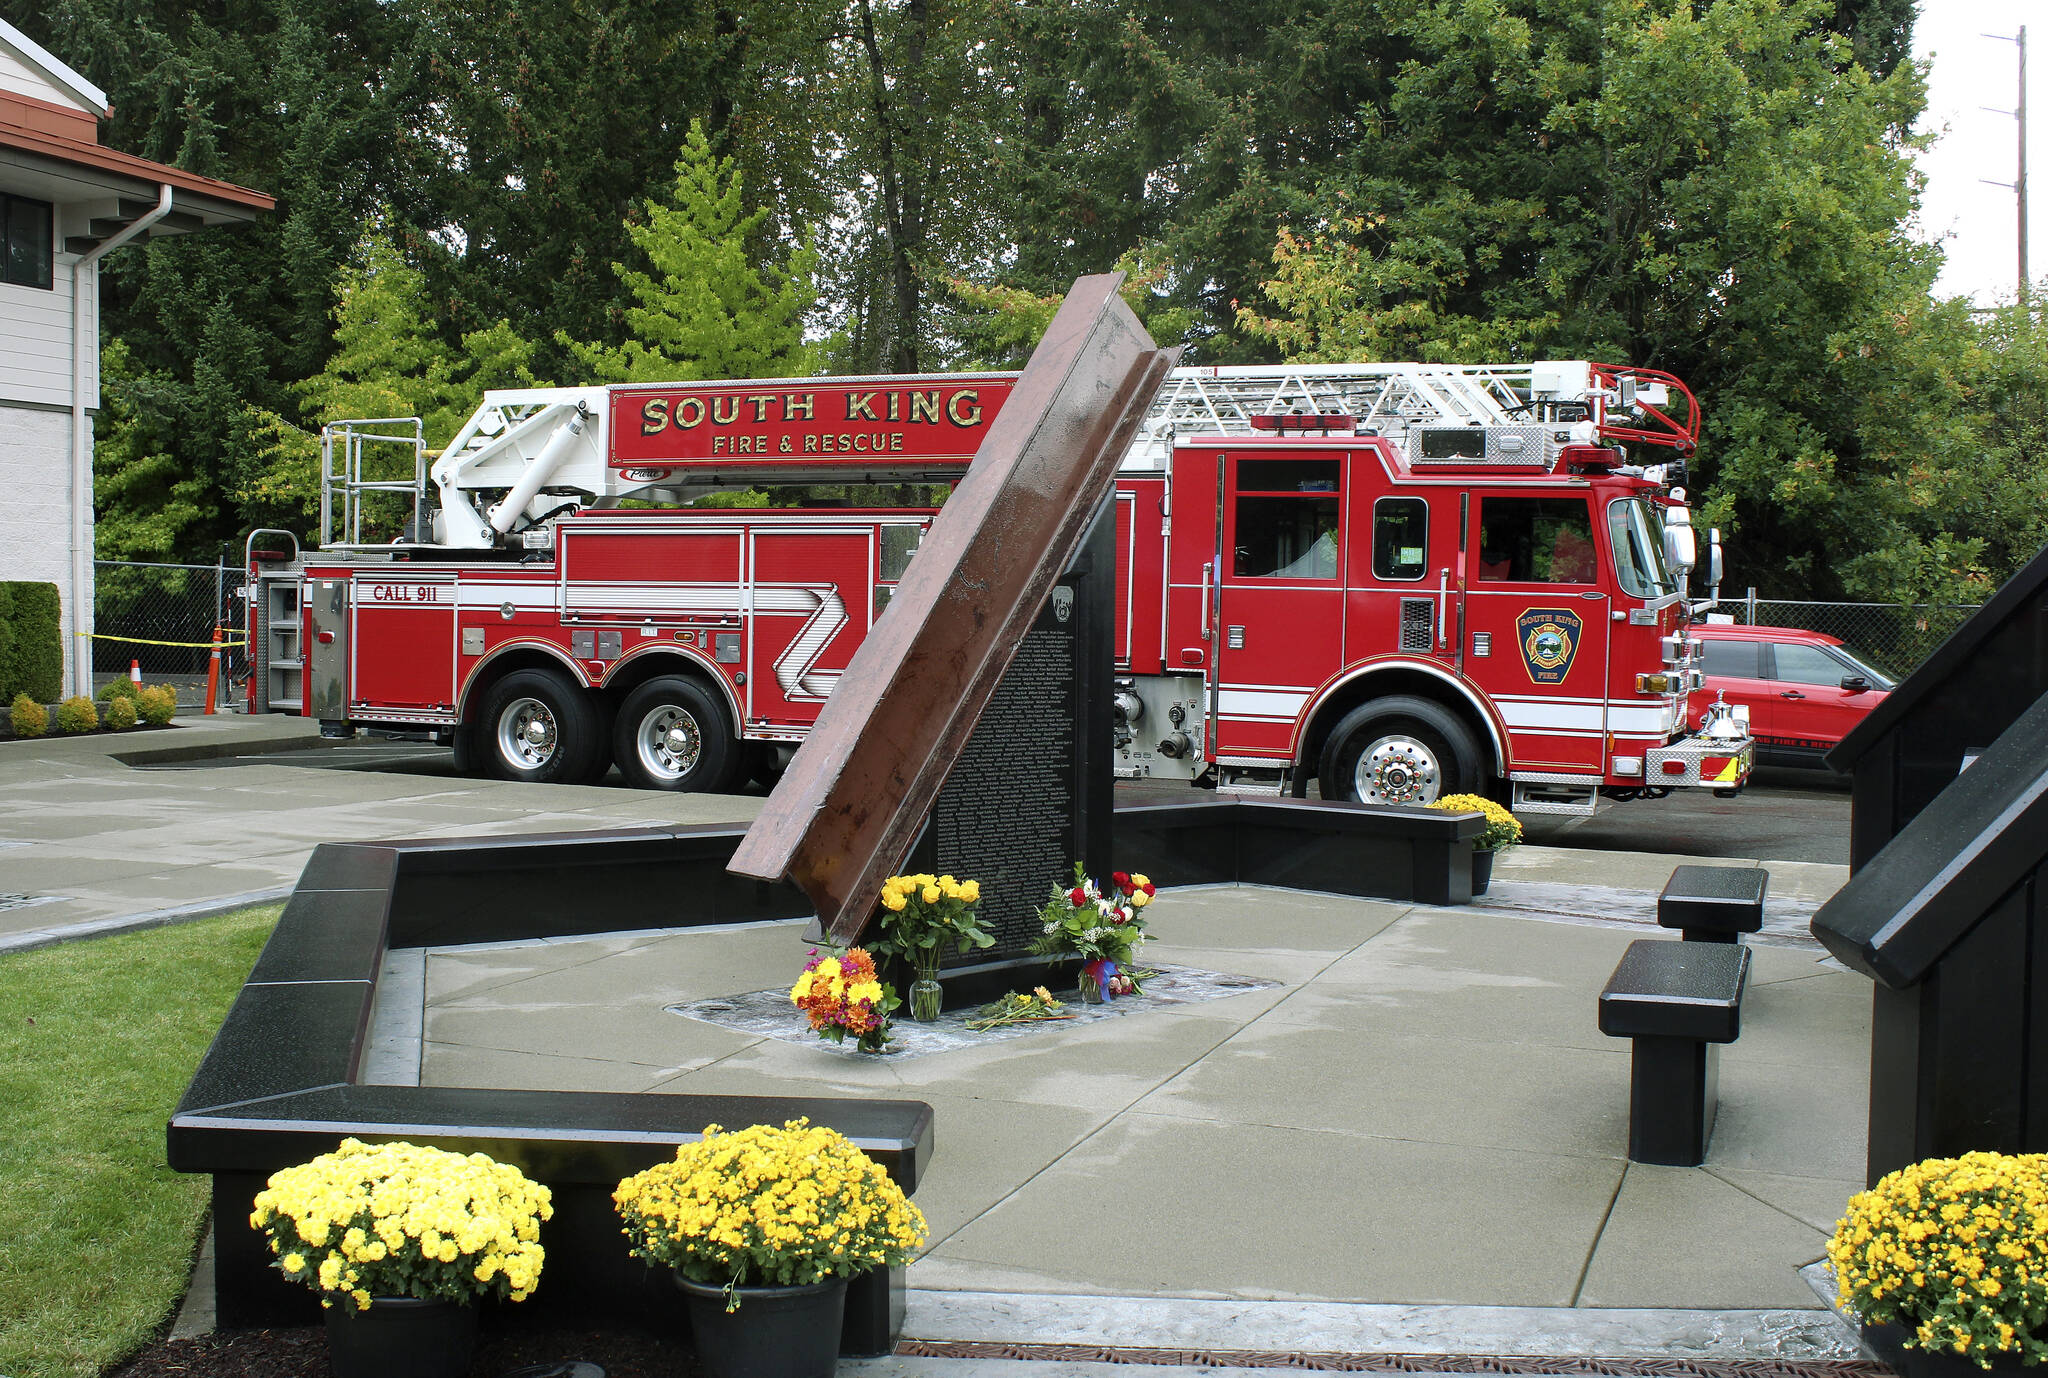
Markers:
1549,638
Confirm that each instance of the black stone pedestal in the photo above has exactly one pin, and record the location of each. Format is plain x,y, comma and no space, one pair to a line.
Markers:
1673,1092
1714,904
1677,1001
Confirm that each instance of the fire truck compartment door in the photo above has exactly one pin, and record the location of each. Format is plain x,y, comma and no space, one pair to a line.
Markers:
1279,614
1536,628
404,643
327,648
809,606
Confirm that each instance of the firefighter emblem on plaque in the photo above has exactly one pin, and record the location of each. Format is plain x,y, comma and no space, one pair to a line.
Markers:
1549,638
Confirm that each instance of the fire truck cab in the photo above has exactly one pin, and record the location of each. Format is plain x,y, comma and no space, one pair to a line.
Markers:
1310,601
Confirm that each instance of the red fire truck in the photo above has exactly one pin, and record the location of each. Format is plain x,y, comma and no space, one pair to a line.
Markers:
1400,580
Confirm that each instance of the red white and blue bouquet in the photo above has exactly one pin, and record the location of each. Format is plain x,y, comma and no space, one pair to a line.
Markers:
1103,925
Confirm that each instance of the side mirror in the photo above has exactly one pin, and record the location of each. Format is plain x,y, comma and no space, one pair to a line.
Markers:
1681,548
1855,684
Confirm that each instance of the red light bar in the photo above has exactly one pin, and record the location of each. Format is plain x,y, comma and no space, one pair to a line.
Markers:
1306,421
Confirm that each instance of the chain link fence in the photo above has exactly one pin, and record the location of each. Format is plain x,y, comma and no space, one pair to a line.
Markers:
160,618
1895,637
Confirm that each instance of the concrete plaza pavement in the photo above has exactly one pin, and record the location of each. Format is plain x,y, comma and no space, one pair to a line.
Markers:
107,832
1411,1141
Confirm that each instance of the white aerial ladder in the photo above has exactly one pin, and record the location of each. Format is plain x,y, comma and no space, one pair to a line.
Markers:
528,455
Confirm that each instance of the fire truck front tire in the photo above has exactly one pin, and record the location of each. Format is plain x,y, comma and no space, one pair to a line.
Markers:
1399,750
672,734
537,726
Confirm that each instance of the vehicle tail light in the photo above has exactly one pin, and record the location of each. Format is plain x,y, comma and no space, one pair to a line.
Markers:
1676,767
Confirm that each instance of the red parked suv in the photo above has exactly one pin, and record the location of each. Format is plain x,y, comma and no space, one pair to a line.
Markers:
1804,690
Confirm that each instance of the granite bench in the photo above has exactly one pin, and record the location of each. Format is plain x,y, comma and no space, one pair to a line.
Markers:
1678,1002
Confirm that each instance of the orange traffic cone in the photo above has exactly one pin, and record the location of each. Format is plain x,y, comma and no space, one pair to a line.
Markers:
213,670
135,673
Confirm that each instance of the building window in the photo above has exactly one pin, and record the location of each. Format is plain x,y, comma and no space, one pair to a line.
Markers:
28,228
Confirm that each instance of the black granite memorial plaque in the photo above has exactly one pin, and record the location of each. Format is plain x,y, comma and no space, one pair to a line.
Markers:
1030,794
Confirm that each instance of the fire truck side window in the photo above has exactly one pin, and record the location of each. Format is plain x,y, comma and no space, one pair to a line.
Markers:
1400,538
1286,512
1536,541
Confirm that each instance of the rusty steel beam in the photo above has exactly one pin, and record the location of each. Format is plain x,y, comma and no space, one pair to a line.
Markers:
850,806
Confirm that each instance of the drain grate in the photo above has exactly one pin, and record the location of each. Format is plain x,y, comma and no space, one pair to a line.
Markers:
1401,1363
24,901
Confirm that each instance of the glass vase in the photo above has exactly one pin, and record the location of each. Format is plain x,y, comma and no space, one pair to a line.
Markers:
927,998
1088,989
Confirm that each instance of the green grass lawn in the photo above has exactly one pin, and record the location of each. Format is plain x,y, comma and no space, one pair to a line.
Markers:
97,1041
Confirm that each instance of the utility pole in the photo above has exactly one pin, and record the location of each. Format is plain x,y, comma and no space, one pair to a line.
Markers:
2019,182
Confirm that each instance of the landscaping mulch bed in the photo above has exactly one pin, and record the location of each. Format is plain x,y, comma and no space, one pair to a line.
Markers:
302,1353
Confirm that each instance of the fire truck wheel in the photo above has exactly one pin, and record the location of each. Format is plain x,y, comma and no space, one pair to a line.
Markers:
537,726
1399,750
671,734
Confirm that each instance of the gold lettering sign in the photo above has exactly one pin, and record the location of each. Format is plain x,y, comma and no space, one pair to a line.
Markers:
654,416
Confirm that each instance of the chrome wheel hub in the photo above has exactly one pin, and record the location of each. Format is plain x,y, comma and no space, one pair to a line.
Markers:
1398,770
670,742
527,733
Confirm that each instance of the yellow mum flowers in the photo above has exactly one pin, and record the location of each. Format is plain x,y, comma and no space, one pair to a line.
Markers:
1956,1251
769,1206
401,1220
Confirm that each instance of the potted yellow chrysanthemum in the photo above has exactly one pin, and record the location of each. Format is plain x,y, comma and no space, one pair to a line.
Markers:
763,1227
1503,830
398,1240
1954,1251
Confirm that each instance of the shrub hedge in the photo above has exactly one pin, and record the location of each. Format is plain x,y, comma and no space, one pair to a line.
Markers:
31,641
77,715
28,718
158,704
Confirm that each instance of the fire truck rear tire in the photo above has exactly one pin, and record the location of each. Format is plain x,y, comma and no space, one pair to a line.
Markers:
1399,750
671,734
538,726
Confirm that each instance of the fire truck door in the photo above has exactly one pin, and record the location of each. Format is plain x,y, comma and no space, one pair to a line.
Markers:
1536,628
1279,615
404,643
811,601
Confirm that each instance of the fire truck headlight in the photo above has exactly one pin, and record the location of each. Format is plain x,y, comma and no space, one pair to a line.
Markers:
1628,765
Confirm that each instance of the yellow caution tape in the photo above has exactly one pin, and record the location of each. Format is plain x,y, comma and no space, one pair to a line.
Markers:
144,641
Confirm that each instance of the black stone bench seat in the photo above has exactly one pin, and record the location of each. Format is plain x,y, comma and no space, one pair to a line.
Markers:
1713,904
1678,1002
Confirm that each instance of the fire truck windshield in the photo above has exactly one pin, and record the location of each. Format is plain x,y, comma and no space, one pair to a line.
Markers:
1635,534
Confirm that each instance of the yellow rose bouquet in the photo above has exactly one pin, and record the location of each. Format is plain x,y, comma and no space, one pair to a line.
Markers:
1956,1251
923,916
400,1220
768,1207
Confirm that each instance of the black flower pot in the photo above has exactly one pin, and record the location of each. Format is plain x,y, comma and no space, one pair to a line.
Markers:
775,1332
401,1337
1482,870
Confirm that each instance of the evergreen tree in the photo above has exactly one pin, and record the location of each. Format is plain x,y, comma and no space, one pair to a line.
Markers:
707,309
388,362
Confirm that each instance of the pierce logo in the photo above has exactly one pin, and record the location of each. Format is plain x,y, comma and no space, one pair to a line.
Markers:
1549,638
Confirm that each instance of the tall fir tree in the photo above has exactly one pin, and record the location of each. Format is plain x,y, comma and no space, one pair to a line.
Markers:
708,308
